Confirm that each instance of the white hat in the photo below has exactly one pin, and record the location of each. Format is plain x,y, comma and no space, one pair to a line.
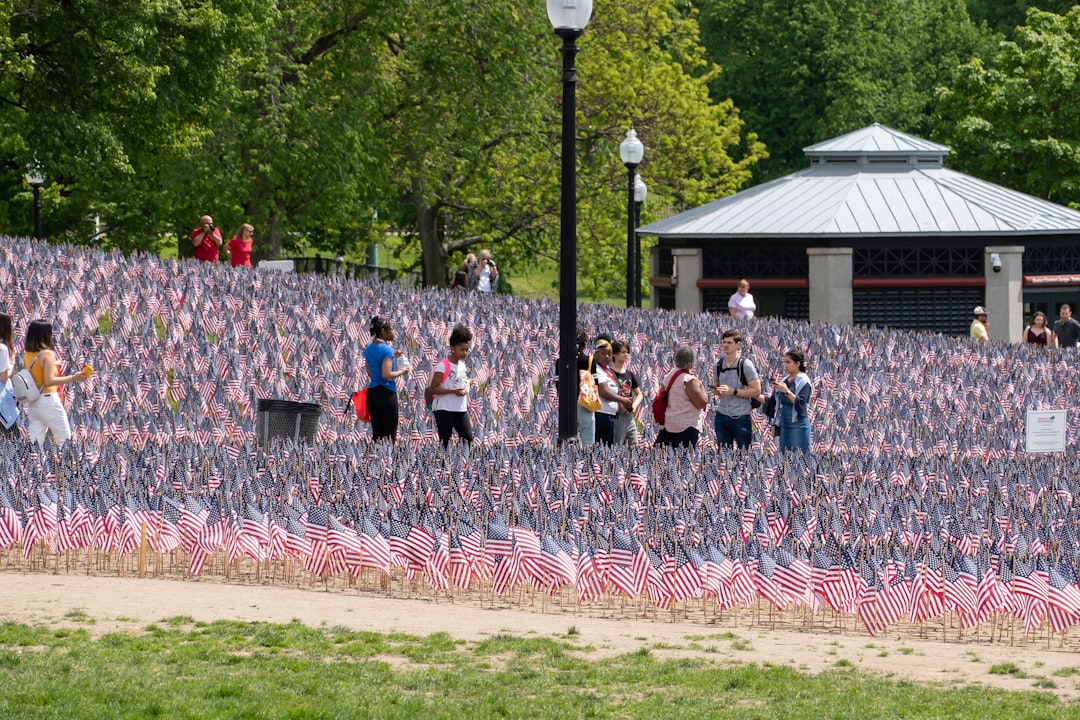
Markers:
980,310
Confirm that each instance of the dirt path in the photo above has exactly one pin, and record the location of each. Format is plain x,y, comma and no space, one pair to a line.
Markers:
129,604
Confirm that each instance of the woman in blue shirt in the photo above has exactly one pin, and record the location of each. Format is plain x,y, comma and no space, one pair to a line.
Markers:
382,363
787,406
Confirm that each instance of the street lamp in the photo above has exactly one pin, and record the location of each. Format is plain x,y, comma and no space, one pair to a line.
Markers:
631,151
36,179
569,18
639,198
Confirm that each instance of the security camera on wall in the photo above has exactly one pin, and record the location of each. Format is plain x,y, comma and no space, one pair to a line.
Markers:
995,262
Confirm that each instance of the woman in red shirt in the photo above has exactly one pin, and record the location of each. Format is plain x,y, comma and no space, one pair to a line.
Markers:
239,248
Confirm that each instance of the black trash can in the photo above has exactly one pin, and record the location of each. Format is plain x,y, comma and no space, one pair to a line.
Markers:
287,419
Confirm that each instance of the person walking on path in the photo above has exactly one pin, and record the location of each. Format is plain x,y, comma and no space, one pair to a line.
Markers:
741,304
1037,333
980,326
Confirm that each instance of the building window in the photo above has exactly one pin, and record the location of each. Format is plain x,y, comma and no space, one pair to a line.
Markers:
1051,260
742,260
665,298
917,262
665,262
943,310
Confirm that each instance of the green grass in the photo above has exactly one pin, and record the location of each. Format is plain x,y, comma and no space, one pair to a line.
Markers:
177,668
105,323
541,282
1007,669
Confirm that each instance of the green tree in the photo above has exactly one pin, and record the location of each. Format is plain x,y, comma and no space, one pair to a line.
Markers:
489,175
1012,119
291,150
802,71
103,96
311,119
1004,16
645,65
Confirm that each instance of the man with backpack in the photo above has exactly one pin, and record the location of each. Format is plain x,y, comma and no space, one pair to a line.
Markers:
737,390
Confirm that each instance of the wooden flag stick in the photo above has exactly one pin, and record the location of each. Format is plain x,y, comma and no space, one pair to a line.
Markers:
142,549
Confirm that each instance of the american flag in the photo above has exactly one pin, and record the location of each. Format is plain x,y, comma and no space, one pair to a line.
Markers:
916,504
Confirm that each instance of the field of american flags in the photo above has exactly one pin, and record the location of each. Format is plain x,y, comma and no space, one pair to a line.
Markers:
916,507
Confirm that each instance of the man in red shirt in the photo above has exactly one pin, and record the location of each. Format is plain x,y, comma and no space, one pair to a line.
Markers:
207,240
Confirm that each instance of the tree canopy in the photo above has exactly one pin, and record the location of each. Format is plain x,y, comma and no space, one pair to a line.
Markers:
1012,118
802,71
333,125
328,124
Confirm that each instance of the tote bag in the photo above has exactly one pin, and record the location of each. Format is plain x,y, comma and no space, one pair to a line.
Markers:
588,394
359,401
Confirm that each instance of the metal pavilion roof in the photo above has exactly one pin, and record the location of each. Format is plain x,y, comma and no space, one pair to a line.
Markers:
872,182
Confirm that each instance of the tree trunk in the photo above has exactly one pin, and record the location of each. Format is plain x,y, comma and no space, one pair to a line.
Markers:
434,257
268,237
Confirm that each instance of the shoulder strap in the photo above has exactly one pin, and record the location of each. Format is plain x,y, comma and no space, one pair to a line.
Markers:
739,365
671,382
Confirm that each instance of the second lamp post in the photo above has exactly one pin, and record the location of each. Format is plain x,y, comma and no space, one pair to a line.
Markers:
631,151
36,179
639,199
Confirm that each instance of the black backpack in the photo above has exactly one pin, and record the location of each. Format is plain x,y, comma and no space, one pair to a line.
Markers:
754,402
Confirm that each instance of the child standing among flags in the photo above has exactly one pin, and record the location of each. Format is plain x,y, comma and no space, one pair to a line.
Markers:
47,413
449,388
382,362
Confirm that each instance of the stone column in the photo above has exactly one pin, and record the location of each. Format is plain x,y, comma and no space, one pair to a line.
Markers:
1005,291
830,285
687,263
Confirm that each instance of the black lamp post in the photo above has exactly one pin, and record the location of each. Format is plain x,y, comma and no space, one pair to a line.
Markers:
639,198
36,179
631,151
569,18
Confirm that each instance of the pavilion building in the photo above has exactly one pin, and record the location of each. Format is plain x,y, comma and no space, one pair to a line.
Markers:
875,232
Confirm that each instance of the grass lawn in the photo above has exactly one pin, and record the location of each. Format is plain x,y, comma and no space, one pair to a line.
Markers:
538,282
183,669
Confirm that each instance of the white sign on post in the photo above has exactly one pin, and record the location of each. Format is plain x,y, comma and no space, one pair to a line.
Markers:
1046,430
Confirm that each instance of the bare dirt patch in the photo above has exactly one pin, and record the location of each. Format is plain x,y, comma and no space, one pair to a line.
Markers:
927,654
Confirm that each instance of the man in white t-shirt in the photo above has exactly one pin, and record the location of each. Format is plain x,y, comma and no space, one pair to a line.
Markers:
741,304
